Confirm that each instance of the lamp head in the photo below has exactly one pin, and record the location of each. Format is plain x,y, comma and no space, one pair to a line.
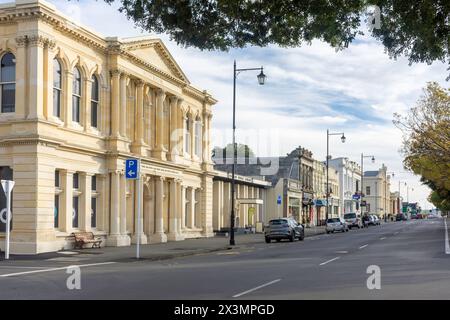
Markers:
261,77
343,138
373,159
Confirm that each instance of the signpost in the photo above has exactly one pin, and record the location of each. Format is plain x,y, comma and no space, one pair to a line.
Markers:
132,172
7,186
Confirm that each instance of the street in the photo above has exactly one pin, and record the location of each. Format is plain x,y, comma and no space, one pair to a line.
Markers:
411,256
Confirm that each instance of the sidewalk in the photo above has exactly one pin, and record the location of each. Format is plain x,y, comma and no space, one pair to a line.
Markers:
152,252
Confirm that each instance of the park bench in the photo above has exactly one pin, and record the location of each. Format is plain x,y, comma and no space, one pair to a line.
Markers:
82,238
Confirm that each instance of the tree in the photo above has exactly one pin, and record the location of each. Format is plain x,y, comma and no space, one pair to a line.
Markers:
426,140
416,29
242,151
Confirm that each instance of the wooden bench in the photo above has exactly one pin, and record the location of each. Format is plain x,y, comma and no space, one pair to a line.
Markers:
82,238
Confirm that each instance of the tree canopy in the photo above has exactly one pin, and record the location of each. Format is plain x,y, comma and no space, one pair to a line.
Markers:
242,151
416,29
426,144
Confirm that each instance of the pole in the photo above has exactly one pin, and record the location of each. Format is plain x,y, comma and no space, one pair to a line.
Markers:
8,217
138,231
362,182
232,218
328,183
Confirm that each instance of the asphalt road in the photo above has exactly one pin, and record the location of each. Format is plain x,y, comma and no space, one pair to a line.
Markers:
411,257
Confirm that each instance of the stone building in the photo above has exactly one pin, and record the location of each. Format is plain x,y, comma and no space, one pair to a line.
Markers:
319,187
377,192
334,208
74,106
349,183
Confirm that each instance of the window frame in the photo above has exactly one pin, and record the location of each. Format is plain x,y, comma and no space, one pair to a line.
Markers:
76,96
95,102
198,134
3,83
187,135
57,108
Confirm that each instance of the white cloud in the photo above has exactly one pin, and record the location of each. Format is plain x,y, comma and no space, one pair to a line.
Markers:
309,89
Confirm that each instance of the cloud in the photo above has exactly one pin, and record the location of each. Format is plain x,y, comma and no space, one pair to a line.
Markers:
308,90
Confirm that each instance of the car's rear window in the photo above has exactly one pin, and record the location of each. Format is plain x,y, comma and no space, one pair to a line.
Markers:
333,220
278,222
349,215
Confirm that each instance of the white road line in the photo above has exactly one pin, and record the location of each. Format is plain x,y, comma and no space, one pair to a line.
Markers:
362,247
447,245
382,238
256,288
53,269
331,260
341,252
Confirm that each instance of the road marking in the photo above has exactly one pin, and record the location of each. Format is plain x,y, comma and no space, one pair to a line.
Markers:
331,260
396,232
362,247
341,252
256,288
382,238
447,245
53,269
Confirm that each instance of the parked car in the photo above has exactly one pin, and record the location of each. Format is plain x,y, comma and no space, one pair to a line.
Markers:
336,224
400,217
284,228
375,220
353,220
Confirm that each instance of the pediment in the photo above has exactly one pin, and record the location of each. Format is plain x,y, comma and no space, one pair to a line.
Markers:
153,51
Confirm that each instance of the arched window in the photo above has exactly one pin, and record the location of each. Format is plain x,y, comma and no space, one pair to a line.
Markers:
198,137
8,83
187,135
94,102
57,86
76,95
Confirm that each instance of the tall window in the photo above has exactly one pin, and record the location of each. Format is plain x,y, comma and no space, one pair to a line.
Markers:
187,135
56,200
198,138
93,212
94,102
367,191
76,95
8,83
75,212
57,85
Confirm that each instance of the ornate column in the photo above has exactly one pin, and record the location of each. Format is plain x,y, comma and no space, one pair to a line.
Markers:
174,134
159,235
149,208
192,210
115,103
21,73
85,205
139,216
183,207
48,79
123,105
35,73
160,151
174,212
86,103
66,201
125,238
113,237
206,154
192,123
180,126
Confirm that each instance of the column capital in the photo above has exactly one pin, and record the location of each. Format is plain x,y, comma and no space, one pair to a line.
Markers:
173,99
160,93
115,73
139,83
21,41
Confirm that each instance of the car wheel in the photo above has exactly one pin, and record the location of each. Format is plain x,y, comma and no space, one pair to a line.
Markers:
267,240
328,232
292,237
302,236
278,240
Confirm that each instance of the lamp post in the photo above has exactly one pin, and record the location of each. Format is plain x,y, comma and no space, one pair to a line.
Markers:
386,191
362,177
328,160
261,80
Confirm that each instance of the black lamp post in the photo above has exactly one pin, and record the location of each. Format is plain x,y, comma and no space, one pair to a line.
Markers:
362,177
328,158
261,80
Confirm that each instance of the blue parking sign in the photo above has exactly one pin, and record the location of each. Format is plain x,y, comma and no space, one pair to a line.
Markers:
131,168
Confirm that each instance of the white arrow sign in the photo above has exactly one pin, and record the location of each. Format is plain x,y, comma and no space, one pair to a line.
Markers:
7,186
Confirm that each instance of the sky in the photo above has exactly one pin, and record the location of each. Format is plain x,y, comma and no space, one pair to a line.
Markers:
308,90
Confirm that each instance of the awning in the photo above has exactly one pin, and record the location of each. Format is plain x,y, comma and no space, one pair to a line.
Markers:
320,203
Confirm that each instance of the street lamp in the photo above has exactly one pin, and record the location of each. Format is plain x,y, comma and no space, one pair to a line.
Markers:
362,178
386,191
328,159
261,80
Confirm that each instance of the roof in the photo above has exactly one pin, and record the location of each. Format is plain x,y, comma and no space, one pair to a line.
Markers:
370,173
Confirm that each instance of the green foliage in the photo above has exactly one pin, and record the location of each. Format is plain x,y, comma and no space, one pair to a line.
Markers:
426,145
417,29
242,151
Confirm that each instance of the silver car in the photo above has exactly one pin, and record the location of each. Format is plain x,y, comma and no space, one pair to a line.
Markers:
284,228
336,224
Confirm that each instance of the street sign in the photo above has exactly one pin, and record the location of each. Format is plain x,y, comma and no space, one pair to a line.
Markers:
7,186
356,197
279,199
363,203
131,169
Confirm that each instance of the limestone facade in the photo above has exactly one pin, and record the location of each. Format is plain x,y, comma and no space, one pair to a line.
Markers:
75,105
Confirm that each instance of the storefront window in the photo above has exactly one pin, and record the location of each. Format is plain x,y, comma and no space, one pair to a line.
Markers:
294,208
